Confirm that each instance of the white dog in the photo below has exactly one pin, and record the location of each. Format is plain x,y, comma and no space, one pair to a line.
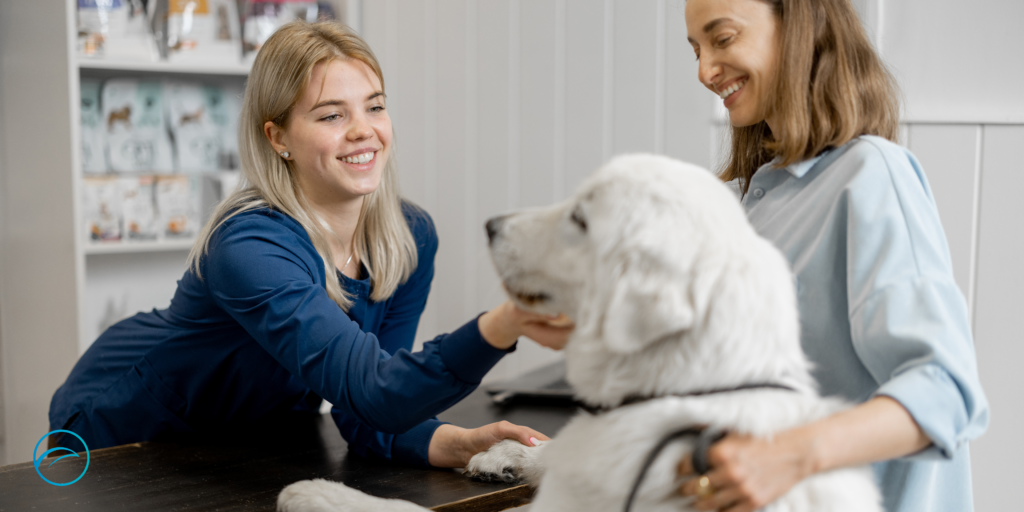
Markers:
678,303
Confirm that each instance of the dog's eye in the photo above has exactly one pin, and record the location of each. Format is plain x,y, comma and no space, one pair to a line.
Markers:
578,218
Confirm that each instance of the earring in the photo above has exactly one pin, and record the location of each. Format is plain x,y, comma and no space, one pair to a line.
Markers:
285,154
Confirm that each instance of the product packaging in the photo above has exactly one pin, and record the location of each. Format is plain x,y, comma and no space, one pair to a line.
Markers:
101,205
114,30
232,95
263,17
176,203
94,159
203,32
133,117
196,117
139,209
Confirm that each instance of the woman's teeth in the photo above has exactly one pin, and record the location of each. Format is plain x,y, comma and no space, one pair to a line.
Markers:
359,159
731,89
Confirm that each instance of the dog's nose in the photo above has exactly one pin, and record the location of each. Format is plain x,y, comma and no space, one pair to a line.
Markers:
493,226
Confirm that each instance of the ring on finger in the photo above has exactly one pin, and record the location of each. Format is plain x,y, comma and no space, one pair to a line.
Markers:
704,488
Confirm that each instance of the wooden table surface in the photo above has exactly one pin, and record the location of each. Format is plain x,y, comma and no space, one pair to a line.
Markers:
246,471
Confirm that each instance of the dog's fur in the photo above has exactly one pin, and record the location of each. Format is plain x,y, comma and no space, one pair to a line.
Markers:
672,292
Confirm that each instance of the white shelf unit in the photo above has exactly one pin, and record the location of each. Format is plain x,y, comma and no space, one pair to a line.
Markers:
116,279
164,67
136,247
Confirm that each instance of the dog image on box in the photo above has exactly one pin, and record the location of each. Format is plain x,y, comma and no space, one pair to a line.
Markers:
686,320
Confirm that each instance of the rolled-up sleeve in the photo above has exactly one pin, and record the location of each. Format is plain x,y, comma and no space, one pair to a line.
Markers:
908,319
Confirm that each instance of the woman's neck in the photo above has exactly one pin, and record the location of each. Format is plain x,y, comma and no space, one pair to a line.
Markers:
342,217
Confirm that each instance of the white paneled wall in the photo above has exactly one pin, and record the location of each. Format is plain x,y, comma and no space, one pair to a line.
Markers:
503,104
957,61
998,326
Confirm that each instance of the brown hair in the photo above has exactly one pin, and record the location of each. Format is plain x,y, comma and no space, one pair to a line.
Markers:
279,78
829,87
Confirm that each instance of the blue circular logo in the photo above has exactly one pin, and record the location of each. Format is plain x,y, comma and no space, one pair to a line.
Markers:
38,460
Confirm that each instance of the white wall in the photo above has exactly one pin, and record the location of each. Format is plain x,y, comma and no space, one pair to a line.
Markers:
501,104
38,290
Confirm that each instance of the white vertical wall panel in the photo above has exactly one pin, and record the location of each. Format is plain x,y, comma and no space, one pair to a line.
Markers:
446,140
998,321
538,169
494,94
949,157
687,102
409,119
634,98
540,172
584,82
957,62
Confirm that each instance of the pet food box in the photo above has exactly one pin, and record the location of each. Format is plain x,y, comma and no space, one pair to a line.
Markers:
138,209
231,95
197,121
177,198
101,205
264,17
203,32
115,30
136,132
94,159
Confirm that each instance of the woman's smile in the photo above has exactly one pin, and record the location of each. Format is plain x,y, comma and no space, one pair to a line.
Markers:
363,159
731,92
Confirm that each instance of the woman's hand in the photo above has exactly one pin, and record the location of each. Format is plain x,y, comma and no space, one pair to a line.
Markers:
503,325
748,473
452,447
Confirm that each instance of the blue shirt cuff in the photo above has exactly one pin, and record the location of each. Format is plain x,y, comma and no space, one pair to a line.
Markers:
468,356
929,395
413,446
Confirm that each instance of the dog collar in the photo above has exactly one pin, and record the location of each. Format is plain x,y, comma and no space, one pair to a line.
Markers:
705,436
636,399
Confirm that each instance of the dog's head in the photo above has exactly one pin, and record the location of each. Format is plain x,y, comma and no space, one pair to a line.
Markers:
638,257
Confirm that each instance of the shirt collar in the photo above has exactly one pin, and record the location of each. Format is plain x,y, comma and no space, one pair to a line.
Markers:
799,169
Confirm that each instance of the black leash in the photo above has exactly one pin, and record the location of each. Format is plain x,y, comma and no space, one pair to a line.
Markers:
705,437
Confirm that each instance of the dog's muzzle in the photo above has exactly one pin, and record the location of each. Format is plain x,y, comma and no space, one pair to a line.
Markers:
494,226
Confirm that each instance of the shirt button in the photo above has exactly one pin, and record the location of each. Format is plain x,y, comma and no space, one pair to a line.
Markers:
758,192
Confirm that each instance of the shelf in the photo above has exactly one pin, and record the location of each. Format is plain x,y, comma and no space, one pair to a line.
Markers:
137,247
238,69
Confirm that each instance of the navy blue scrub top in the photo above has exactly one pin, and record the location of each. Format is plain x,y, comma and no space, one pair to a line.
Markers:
258,335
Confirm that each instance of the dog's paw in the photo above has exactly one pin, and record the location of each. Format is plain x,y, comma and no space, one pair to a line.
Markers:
324,496
508,461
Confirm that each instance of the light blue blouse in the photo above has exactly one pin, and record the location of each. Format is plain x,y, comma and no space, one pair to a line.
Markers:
880,313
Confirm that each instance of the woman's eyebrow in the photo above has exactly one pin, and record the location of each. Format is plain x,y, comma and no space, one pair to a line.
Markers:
326,103
709,26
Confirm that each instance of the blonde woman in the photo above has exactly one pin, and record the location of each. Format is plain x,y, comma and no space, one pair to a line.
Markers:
815,118
307,282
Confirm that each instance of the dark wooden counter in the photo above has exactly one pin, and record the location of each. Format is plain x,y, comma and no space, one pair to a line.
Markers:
246,472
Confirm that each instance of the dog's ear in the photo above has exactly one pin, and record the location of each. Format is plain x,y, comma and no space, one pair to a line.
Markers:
643,307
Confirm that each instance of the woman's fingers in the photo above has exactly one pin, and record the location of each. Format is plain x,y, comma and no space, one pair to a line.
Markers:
523,434
718,500
686,466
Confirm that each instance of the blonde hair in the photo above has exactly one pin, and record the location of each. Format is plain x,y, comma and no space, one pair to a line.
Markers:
829,87
279,78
